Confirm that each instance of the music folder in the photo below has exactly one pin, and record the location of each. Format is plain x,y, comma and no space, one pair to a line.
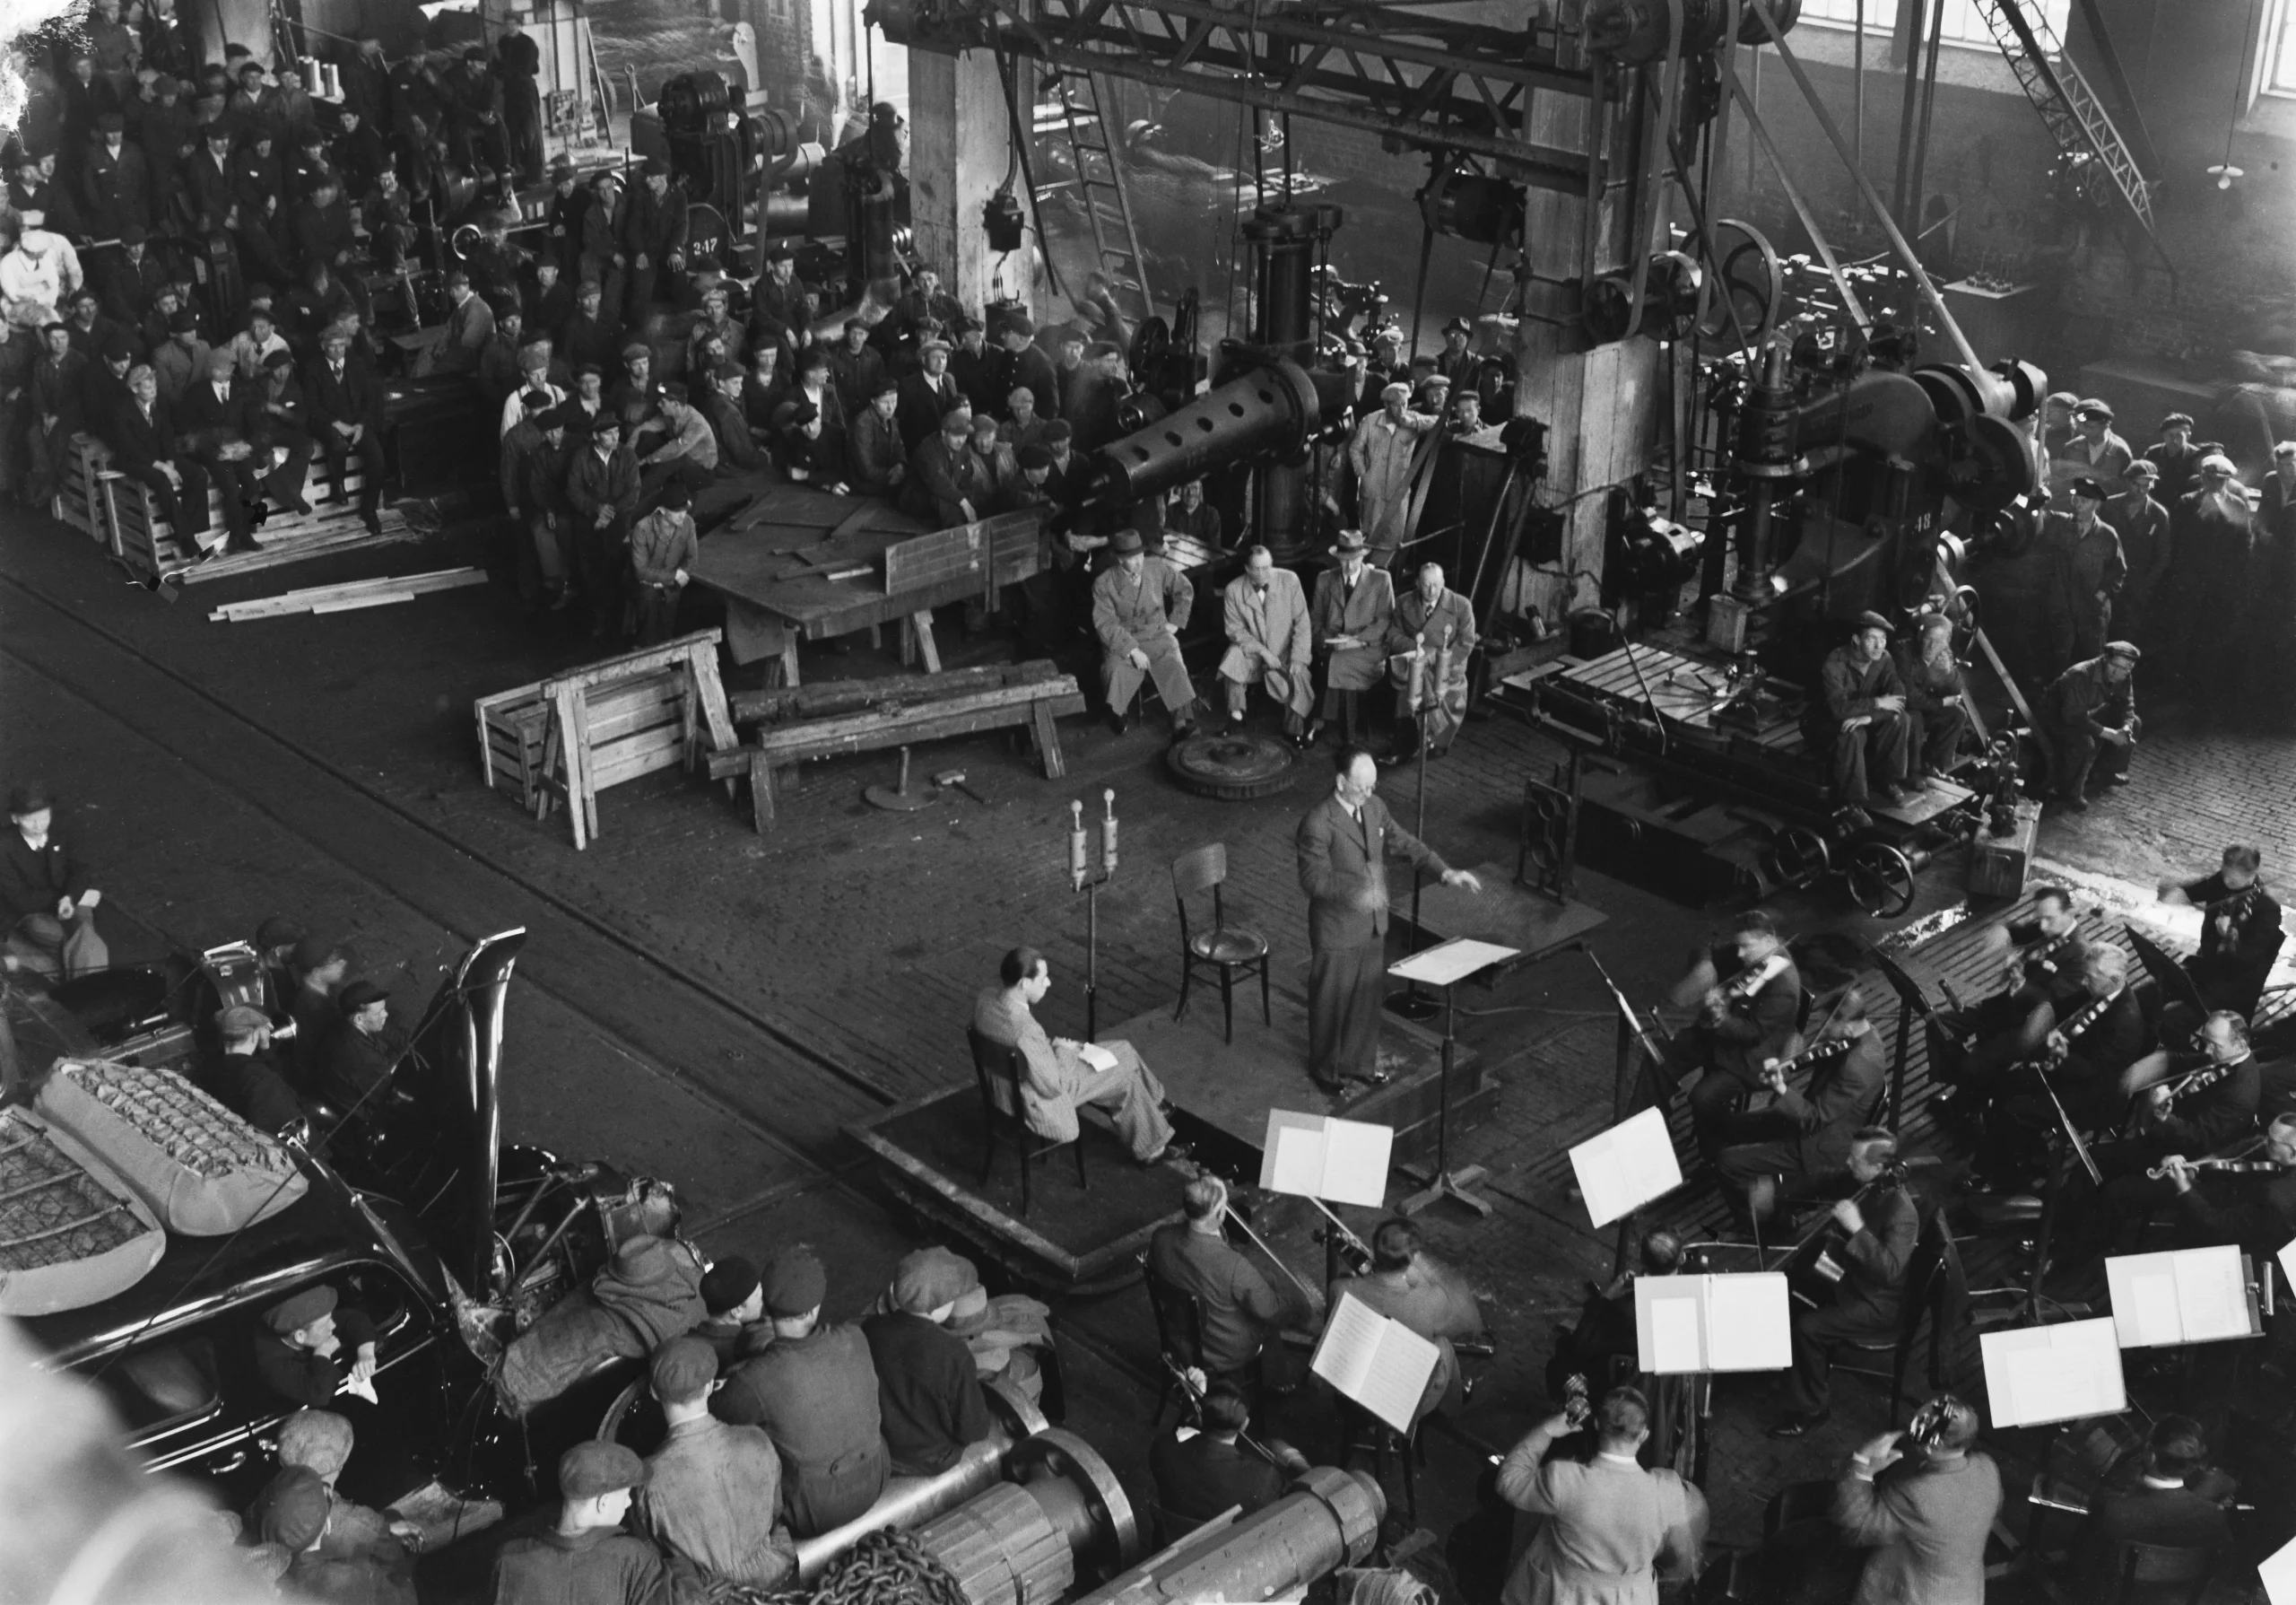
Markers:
1737,1321
1374,1360
2183,1296
2037,1374
1622,1169
1322,1157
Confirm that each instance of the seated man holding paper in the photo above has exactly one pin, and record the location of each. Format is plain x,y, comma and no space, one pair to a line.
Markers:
1805,1134
1873,1231
1612,1526
1059,1075
1407,1284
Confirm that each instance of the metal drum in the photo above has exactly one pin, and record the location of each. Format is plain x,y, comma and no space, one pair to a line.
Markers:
1329,1519
1028,1542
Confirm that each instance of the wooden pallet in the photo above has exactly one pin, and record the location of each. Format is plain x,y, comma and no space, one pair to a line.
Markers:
852,716
564,740
79,494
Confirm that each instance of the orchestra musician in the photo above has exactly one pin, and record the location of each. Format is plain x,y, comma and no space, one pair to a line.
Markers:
1407,1284
2186,1103
2084,1059
1969,1048
2257,1210
2239,930
1804,1135
1878,1222
1924,1501
1750,1001
2164,1508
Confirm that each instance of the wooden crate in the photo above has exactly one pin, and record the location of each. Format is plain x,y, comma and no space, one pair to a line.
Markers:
1998,865
82,486
149,549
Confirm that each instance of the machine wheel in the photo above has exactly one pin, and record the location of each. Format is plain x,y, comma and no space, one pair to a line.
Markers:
1749,280
1881,879
1798,856
1233,767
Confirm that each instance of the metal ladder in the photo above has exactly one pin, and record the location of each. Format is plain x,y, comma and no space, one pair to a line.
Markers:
2075,117
1099,177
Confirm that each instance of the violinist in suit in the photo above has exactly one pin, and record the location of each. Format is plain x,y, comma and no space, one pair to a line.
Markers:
2185,1104
1807,1134
2163,1508
1878,1224
2255,1208
1749,997
2240,931
1969,1048
2084,1059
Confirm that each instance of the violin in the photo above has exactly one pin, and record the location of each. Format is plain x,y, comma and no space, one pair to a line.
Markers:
1819,1053
1815,1270
2230,1167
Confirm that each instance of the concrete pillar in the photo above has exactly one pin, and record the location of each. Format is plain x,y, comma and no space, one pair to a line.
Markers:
960,148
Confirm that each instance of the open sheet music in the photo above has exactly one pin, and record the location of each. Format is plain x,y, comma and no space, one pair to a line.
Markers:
1374,1360
1622,1169
1733,1323
1448,963
2185,1295
1320,1156
2037,1374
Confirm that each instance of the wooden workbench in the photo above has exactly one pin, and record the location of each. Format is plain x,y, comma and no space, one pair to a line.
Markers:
794,563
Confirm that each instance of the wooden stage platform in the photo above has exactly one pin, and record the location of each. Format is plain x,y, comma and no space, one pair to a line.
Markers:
928,1150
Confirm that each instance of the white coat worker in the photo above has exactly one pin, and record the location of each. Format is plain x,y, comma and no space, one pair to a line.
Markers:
1270,642
1381,452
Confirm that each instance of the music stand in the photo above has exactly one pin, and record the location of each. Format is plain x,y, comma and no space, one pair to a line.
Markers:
1443,966
1411,1003
2062,1154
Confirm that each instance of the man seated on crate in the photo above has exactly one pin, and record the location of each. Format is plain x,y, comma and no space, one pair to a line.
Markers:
284,415
1864,724
1057,1076
59,384
225,422
346,406
149,447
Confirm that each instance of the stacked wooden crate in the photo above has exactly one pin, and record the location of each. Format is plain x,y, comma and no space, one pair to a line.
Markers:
83,485
144,543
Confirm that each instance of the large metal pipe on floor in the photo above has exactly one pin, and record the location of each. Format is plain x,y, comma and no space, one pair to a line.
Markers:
1026,1542
1329,1519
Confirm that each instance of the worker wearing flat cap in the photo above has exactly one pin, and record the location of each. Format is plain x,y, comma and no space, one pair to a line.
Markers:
2211,577
713,1490
650,234
360,1050
2089,713
2089,550
1381,452
1458,366
366,1553
2093,451
308,1348
814,1390
1862,723
587,1558
276,939
734,1293
47,906
928,1392
1092,392
249,1078
1140,605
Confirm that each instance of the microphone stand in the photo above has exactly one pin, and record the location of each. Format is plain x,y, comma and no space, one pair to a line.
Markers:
1411,1003
1081,879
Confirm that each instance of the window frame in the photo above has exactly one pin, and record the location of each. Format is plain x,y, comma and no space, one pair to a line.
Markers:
2275,55
2057,13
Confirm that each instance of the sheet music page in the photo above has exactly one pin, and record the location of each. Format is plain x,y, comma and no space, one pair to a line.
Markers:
2143,1289
1355,1159
1381,1365
2278,1572
1098,1056
2212,1291
1447,963
2034,1375
1748,1325
2288,1262
1669,1316
1622,1169
1292,1157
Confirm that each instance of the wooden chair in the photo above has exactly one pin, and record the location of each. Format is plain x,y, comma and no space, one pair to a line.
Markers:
1938,1291
2158,1573
1225,947
995,1064
1179,1338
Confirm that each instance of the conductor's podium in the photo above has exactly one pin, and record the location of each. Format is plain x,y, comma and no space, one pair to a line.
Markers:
119,512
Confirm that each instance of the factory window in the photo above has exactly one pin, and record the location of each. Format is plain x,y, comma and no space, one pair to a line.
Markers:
1964,21
2280,49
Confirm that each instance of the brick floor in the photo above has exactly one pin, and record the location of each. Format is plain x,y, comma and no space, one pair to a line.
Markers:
786,983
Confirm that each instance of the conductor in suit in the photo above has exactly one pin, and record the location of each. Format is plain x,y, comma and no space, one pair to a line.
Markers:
1344,843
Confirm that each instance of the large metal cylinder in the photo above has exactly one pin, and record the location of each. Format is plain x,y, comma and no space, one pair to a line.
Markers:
1268,412
1329,1519
1285,241
1026,1542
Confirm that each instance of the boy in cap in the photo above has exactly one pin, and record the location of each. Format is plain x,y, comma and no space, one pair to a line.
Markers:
876,457
249,1081
713,1490
299,1353
361,1049
587,1558
814,1390
662,550
1864,722
734,1293
928,1393
46,902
